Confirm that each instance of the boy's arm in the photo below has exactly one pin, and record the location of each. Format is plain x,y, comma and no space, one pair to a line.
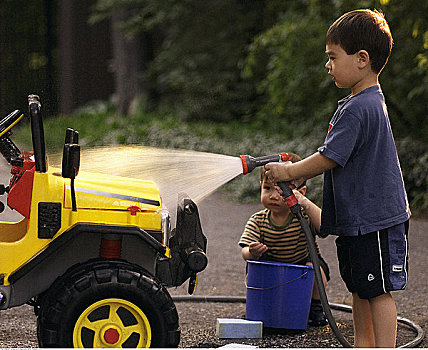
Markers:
307,168
246,255
311,209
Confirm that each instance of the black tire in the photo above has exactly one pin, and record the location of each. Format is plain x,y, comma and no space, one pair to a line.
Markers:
107,303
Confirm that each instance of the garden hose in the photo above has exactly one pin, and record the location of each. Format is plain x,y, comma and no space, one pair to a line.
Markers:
295,208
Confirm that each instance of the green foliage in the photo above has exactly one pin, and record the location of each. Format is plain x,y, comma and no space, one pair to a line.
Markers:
26,53
198,47
414,163
287,62
197,68
405,78
264,60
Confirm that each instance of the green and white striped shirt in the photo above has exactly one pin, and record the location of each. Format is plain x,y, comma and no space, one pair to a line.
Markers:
286,243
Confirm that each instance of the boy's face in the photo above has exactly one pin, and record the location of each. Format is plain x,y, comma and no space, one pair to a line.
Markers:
271,199
344,68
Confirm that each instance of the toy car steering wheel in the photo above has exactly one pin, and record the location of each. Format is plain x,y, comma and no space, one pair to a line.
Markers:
7,147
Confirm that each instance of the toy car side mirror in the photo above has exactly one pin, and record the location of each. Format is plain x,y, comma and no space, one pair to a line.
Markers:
71,161
71,155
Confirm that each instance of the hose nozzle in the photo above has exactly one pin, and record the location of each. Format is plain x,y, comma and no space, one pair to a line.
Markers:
249,162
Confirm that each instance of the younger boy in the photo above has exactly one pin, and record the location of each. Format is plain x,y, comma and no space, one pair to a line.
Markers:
275,234
364,200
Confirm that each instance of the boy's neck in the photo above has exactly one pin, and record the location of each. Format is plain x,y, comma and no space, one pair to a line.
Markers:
279,219
369,80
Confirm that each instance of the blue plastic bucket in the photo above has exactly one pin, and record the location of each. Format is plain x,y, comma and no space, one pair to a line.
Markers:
279,294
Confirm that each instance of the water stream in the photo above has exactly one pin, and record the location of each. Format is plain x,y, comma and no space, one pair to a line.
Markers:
196,174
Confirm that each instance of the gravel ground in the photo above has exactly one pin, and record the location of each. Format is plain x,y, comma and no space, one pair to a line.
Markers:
222,222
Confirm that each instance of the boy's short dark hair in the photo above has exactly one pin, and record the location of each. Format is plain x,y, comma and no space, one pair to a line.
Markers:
363,30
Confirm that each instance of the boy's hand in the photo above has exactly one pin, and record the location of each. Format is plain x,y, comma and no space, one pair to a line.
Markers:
257,249
301,199
277,172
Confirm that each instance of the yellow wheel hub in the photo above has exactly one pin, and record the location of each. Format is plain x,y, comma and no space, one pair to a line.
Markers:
112,323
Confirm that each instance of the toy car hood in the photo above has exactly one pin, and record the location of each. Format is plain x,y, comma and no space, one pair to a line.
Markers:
109,192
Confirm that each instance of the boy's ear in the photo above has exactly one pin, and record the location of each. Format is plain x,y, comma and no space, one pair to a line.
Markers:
363,58
302,190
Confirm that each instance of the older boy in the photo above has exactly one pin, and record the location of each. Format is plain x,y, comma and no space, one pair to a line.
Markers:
364,200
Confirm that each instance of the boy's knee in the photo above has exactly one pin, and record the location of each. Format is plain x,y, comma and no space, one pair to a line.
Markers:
323,273
385,297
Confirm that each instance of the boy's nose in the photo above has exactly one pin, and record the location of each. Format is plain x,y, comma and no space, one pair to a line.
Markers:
327,65
274,194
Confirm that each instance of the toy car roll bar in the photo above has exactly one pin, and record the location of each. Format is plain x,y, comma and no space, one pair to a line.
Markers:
34,108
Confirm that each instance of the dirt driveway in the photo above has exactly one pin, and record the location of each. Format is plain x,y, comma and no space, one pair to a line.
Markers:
222,222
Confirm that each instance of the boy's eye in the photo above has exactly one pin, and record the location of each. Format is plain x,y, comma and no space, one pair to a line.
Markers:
267,188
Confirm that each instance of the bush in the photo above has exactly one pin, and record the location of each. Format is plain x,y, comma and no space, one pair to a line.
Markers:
287,63
414,164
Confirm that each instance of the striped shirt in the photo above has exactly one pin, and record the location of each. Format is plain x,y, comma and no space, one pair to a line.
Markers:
286,243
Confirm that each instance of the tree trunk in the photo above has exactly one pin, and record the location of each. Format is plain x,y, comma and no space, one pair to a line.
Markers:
84,56
129,61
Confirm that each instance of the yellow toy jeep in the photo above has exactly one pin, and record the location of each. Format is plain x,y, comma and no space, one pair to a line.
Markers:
93,254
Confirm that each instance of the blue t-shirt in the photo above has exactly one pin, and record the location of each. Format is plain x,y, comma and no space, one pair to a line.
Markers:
365,192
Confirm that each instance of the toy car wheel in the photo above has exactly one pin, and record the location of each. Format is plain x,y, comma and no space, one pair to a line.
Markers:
105,304
112,322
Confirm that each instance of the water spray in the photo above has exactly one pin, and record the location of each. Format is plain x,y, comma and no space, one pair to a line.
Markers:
249,164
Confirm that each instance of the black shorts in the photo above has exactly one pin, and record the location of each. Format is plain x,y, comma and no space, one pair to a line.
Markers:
375,263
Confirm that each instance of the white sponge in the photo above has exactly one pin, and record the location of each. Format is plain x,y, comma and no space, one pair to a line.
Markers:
238,328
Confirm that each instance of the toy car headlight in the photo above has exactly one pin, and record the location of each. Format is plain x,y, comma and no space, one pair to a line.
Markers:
166,227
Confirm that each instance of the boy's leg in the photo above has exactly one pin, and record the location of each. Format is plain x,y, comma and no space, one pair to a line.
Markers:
363,326
315,293
372,265
384,318
375,321
316,313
